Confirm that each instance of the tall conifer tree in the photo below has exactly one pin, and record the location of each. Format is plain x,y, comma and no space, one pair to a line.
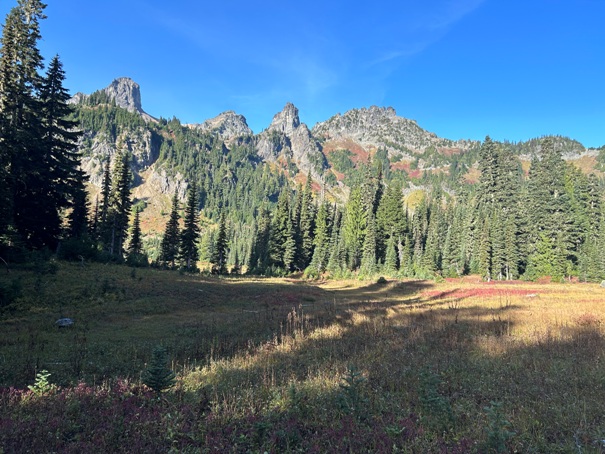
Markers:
170,241
191,230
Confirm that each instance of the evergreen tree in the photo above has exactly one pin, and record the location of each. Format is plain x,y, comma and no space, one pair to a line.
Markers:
78,217
170,241
354,227
158,376
259,255
191,231
368,259
321,240
390,217
281,237
549,213
20,125
220,250
105,192
135,247
337,259
390,260
306,225
119,206
62,180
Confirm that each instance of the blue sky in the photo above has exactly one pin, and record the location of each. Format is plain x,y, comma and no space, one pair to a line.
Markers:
510,69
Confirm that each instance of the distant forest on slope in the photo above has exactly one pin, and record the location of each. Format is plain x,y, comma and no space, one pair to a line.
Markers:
243,214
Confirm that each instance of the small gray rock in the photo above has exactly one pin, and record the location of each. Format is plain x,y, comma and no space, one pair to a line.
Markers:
64,322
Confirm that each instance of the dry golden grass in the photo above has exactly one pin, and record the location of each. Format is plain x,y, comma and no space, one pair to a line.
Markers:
245,343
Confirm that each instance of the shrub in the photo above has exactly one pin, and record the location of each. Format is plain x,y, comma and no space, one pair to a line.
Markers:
158,377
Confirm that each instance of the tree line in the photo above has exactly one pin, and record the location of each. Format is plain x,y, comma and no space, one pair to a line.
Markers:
240,215
39,162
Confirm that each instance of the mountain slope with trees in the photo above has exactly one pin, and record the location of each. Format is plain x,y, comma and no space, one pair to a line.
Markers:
363,193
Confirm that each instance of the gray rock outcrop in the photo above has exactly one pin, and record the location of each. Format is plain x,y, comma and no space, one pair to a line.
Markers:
227,125
289,139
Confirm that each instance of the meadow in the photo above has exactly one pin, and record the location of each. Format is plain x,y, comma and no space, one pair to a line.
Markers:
288,365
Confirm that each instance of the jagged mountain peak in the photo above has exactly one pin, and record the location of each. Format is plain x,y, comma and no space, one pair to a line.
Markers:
286,121
381,127
226,125
126,93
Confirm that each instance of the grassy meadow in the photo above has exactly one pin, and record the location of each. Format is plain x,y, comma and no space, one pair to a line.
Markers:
287,365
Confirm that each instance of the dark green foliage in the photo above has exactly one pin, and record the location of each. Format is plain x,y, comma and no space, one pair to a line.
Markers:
498,433
191,231
39,164
158,376
282,246
352,397
220,249
170,240
437,410
114,229
321,251
368,265
354,227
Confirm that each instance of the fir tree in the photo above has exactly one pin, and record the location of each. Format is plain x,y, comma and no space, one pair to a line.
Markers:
321,240
119,206
282,245
390,261
354,227
368,265
158,376
135,246
20,126
306,225
170,241
259,255
78,224
220,250
191,231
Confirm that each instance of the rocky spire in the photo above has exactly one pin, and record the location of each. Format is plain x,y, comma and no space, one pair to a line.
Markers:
126,93
286,121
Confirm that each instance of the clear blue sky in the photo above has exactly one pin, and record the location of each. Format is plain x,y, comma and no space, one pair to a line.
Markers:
513,69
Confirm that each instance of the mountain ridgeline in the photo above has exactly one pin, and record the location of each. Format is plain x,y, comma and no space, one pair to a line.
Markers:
362,193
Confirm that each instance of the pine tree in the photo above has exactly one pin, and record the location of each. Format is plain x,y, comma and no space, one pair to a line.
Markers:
321,240
306,225
259,255
170,241
119,206
282,245
390,260
549,220
20,125
191,231
78,217
135,246
62,180
368,265
220,250
158,376
354,227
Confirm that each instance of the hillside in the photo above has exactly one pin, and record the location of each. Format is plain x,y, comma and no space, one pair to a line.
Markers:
113,119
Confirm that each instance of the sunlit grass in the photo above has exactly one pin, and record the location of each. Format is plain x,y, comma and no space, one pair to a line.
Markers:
279,348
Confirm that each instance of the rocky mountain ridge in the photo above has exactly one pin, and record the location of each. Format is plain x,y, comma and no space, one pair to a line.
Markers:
289,144
227,125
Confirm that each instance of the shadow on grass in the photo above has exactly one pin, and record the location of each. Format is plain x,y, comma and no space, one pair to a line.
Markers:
274,358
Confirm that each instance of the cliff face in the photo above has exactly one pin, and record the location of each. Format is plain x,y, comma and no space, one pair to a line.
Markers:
290,140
